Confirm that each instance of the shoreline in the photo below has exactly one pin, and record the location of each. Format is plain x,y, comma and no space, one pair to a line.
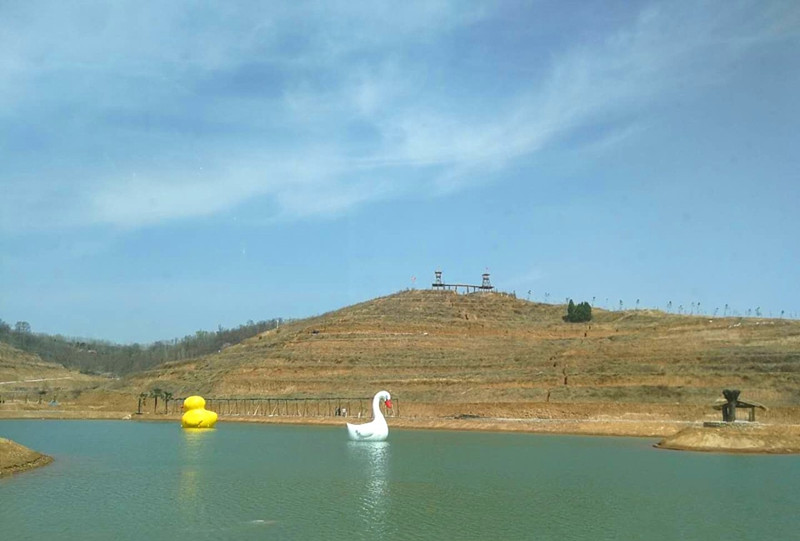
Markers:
671,434
589,427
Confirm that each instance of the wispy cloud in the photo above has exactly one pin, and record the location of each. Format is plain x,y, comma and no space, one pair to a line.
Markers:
146,113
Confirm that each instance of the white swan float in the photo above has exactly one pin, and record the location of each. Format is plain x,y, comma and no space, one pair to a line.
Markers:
377,429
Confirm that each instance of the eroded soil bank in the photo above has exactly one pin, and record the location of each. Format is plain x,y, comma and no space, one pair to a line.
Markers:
736,438
16,458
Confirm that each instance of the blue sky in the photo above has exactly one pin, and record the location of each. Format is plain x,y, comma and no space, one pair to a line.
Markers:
167,167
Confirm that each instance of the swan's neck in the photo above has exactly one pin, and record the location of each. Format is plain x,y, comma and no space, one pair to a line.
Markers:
376,408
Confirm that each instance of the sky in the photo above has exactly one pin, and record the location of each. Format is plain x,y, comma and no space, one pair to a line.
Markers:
169,167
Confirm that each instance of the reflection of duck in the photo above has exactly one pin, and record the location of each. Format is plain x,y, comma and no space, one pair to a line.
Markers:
196,415
377,429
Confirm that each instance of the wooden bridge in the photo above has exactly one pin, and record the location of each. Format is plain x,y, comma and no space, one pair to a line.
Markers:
286,407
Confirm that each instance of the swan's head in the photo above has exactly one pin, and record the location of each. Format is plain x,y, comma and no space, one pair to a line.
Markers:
386,398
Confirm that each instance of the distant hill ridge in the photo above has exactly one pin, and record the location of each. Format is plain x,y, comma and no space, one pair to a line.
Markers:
103,357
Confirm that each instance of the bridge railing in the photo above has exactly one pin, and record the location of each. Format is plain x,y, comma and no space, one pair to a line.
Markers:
287,407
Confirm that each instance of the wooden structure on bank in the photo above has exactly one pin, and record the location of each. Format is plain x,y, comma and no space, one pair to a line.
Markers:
359,408
731,403
486,285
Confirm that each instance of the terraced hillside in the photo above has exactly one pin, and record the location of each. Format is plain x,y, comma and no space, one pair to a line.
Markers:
441,348
26,378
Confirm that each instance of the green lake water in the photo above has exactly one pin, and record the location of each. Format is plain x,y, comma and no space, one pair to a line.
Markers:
154,481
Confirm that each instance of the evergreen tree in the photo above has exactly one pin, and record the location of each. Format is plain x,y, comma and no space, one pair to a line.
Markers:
577,313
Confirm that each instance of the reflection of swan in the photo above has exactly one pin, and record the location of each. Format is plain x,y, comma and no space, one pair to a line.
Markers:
377,429
372,461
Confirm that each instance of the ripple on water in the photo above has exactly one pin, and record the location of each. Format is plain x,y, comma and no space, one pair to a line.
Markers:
152,481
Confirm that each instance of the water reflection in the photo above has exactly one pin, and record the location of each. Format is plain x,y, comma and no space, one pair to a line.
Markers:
372,459
194,442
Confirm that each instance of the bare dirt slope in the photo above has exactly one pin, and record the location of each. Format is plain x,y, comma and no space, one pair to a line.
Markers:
493,355
27,383
23,372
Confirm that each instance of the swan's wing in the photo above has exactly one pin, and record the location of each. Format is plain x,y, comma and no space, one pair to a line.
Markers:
363,432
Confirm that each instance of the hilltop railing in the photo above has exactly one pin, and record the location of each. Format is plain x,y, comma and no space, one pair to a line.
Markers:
287,407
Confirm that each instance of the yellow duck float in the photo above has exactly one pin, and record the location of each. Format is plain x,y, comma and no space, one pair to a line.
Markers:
197,416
